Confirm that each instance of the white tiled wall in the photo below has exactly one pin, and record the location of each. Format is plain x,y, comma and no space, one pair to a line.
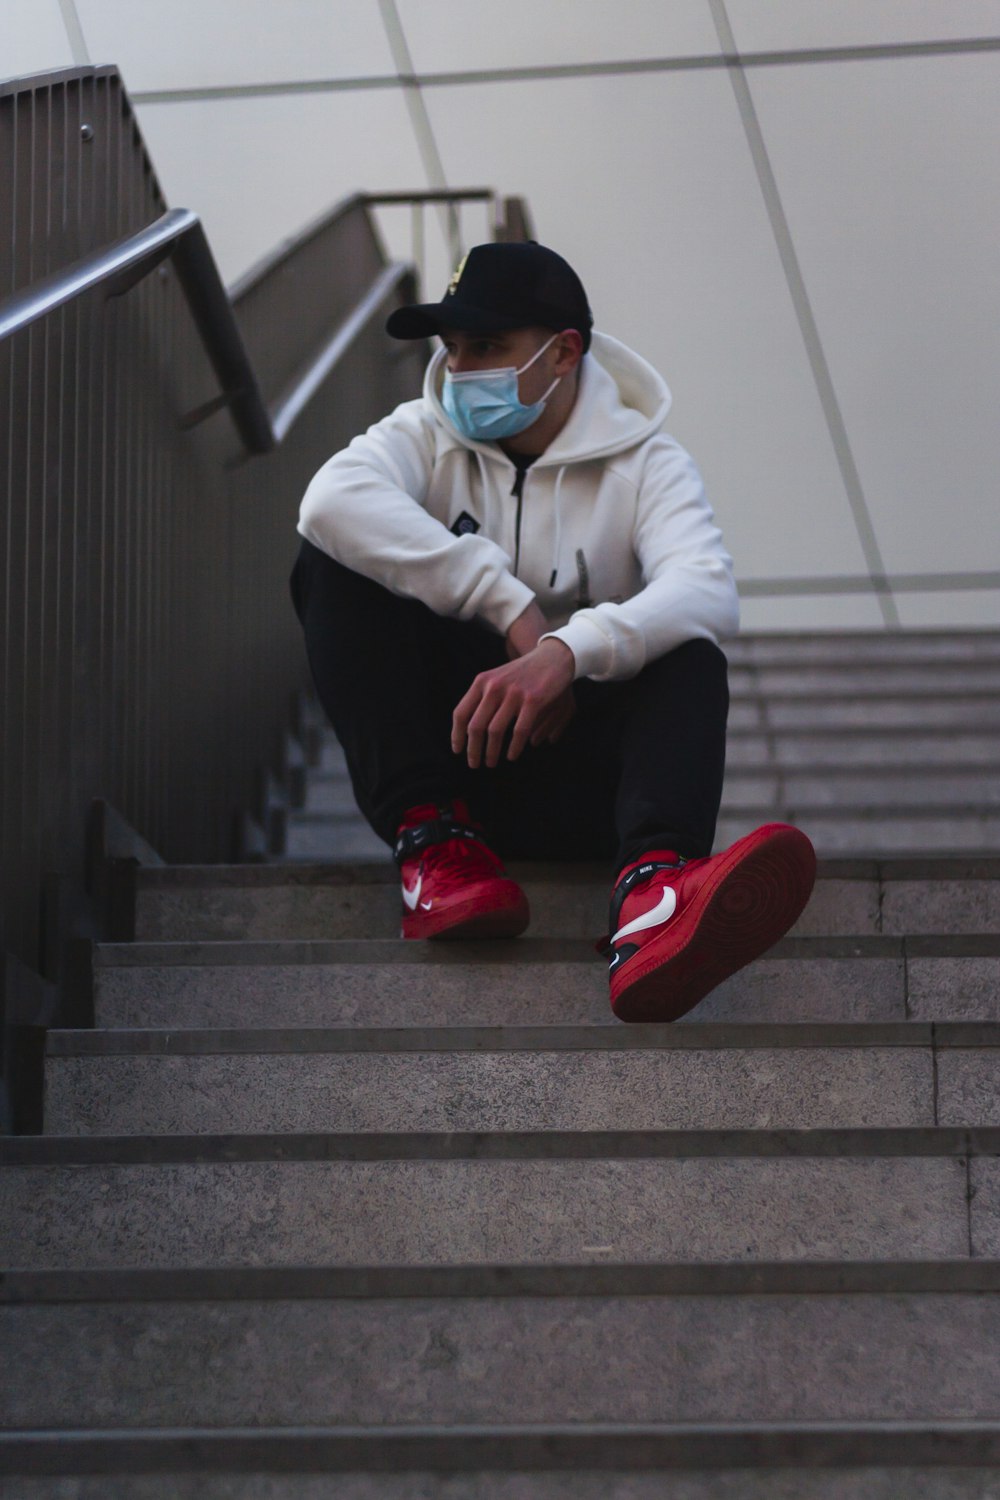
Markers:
890,176
824,612
256,169
447,37
184,44
681,266
885,172
774,25
33,38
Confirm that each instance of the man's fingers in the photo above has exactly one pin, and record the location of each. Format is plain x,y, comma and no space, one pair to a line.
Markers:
465,711
553,722
527,721
496,733
518,741
497,708
470,720
475,736
518,695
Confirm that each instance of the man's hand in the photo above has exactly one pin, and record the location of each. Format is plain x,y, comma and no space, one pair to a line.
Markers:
532,694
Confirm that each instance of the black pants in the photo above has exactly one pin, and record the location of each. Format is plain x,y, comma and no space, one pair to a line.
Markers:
640,766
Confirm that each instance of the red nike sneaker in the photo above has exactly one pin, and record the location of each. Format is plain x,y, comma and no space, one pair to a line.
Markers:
679,927
454,886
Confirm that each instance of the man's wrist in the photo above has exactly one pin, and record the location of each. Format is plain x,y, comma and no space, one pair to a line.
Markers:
527,630
558,649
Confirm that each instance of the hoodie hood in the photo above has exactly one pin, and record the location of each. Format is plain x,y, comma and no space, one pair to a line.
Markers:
620,403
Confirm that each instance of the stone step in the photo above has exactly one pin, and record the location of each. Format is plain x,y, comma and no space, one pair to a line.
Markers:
806,749
842,749
211,901
865,830
319,836
942,681
867,743
889,789
849,647
861,830
306,1352
177,903
967,712
521,1079
331,759
874,831
886,786
933,681
578,1461
818,679
543,1197
530,981
331,793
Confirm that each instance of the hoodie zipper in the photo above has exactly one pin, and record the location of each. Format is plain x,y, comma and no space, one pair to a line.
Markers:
518,493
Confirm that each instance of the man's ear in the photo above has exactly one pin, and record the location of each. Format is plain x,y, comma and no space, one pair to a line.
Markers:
569,350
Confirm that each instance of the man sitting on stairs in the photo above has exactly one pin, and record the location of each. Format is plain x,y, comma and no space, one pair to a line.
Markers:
512,592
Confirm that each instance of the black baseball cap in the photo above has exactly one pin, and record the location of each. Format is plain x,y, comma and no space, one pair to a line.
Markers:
509,284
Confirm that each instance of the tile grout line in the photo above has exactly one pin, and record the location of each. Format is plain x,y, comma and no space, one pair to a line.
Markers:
420,119
74,33
562,72
846,583
808,327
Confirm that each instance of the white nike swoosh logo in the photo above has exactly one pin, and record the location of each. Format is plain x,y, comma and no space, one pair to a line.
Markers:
661,912
412,897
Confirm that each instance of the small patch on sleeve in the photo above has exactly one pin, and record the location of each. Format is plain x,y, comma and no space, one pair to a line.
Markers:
465,525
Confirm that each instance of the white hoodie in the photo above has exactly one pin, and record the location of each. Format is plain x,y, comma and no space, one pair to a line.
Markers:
613,537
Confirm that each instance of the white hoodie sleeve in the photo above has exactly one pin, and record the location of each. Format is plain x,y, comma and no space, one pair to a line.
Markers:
689,588
365,508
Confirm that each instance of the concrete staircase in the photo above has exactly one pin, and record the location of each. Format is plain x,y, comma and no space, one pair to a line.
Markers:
320,1213
875,744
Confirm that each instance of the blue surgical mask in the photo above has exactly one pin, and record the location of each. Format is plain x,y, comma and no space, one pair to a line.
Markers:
485,405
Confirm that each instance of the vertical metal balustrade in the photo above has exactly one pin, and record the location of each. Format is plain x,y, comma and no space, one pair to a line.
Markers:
149,653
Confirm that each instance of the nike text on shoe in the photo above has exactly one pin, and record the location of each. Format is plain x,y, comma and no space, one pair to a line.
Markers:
679,927
454,886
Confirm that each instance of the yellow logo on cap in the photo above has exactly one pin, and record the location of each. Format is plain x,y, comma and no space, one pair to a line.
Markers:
453,283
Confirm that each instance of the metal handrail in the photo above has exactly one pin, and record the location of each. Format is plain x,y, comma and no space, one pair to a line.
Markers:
122,262
509,217
432,195
289,407
179,234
